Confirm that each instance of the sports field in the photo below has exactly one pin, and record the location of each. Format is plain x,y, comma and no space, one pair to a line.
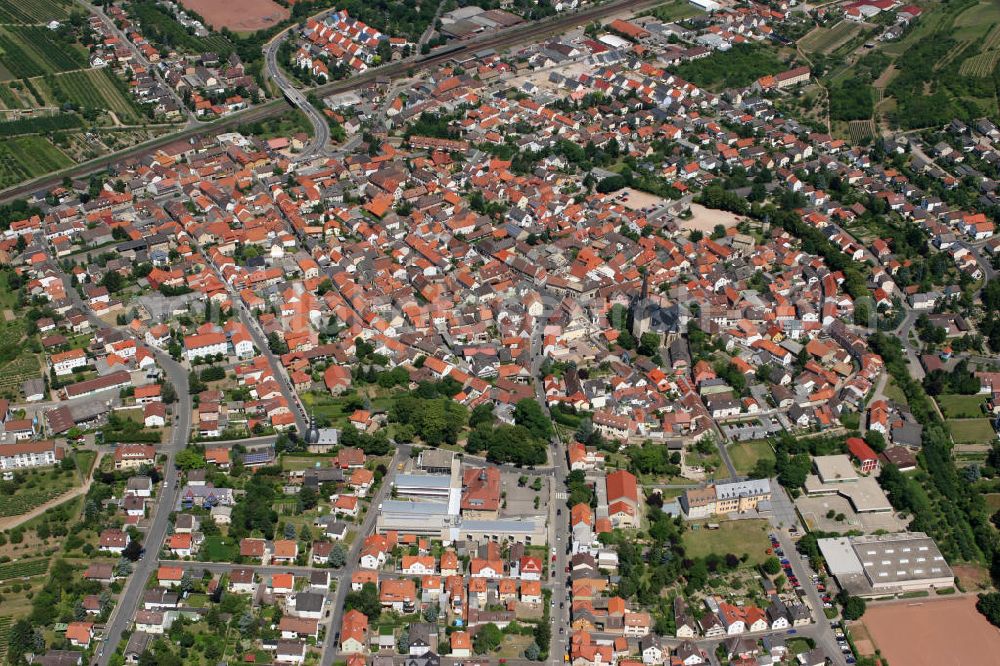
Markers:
933,632
243,16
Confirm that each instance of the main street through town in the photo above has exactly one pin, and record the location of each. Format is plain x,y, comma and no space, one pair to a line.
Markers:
159,518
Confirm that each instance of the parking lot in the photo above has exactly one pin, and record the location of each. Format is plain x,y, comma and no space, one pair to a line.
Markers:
825,590
520,500
814,511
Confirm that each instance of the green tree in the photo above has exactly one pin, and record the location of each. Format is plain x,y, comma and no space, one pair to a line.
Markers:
853,607
528,413
488,638
190,458
365,600
989,605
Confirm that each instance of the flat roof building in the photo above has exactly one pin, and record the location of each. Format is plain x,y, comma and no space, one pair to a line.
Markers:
835,475
835,469
423,486
881,565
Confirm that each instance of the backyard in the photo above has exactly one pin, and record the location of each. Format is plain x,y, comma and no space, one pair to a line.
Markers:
961,406
217,548
971,431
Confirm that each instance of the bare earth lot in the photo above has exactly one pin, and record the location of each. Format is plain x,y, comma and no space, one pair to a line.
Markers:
932,632
242,16
705,219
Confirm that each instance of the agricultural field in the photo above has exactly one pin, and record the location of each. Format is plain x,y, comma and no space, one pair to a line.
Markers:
827,40
861,131
23,569
245,17
15,95
983,64
91,89
34,11
26,157
16,372
6,622
37,488
27,51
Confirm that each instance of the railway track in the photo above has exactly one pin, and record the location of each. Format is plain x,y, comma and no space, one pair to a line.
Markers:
503,39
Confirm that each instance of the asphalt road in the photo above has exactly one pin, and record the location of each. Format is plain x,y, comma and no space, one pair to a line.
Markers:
225,567
330,647
155,535
820,631
321,129
260,340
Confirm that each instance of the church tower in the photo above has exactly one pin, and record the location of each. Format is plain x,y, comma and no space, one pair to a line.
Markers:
640,311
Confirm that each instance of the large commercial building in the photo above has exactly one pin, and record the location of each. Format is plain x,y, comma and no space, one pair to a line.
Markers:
440,520
423,486
875,566
112,381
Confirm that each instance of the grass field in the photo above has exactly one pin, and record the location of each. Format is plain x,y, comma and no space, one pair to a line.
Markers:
746,454
676,10
798,645
825,40
971,431
961,406
33,11
26,157
894,393
90,89
219,549
733,536
298,463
